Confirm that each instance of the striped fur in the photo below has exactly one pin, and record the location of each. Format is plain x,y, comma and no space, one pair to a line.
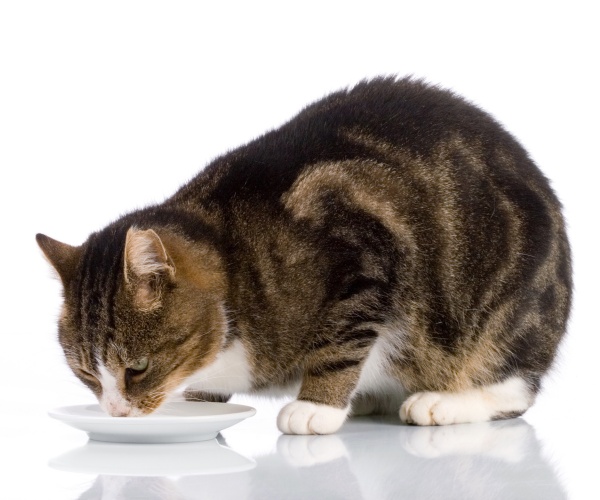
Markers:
393,214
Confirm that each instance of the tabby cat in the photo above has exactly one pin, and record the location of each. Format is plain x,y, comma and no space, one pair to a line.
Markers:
391,248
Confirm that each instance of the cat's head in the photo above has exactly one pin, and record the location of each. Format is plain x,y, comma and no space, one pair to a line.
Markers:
141,313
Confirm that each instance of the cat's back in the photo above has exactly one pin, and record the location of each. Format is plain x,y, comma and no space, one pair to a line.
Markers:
386,121
408,113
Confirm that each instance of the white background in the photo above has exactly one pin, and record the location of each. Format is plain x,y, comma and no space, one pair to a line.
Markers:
108,106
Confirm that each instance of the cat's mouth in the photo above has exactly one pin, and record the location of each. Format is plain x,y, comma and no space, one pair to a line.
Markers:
129,411
133,412
121,407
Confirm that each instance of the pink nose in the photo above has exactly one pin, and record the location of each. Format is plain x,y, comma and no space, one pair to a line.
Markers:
116,408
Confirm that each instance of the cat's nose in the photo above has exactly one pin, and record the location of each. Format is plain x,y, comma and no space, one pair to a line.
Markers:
116,408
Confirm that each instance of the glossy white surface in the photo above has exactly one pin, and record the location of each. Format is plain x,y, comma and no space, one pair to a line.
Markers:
175,422
370,458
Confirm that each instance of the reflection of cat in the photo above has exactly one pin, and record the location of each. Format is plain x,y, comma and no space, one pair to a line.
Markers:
505,441
128,488
390,238
497,460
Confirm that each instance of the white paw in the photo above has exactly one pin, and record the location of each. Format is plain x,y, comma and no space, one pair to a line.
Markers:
417,409
441,408
303,417
474,405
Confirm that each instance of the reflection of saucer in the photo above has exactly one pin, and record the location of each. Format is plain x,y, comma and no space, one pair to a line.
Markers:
182,459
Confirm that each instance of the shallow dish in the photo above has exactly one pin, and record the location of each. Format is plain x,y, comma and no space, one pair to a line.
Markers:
180,422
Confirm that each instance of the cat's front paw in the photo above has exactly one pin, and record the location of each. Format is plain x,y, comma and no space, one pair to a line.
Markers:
303,417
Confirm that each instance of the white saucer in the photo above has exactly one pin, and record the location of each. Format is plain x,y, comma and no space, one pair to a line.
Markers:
179,422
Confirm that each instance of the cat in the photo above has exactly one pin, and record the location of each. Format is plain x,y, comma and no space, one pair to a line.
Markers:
391,248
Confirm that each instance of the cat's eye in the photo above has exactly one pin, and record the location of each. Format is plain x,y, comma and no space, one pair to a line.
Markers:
139,366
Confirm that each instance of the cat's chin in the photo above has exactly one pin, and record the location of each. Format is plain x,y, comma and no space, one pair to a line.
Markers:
137,412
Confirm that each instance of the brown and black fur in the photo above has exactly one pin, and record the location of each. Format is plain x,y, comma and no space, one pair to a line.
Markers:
393,208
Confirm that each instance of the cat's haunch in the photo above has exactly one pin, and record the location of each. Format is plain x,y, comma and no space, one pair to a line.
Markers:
391,248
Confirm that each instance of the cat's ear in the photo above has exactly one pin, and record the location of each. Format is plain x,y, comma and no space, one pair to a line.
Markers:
64,258
148,267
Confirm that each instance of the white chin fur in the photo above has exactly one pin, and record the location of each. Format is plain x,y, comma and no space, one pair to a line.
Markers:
112,401
229,373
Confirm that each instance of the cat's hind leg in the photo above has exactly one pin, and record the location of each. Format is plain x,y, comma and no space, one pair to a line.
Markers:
364,404
191,394
506,399
376,404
